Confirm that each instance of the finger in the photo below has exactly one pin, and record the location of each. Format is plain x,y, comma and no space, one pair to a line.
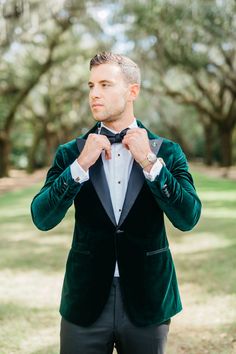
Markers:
104,142
125,143
100,138
135,130
131,131
130,139
107,154
107,149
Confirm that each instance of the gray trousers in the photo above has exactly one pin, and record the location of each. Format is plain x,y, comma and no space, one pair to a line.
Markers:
113,327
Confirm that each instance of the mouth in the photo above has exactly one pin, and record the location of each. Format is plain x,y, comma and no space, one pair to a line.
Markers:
97,105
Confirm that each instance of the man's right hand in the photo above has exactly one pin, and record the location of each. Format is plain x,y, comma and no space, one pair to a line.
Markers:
93,147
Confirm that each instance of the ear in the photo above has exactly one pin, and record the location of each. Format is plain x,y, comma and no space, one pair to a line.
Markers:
133,91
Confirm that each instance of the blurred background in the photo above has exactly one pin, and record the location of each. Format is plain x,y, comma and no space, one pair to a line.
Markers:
186,50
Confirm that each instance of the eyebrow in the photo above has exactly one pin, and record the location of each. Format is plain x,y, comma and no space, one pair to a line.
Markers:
101,82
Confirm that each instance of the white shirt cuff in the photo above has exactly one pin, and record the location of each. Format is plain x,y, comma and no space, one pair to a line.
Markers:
78,173
154,172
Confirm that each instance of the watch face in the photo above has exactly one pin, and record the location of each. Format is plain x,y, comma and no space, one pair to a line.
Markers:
151,157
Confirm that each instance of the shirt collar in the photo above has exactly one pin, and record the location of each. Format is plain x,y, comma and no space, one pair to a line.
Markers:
132,125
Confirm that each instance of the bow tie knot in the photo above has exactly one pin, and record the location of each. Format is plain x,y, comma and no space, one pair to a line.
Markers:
114,138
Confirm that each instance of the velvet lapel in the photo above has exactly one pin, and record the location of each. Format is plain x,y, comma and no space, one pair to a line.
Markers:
99,181
98,178
136,182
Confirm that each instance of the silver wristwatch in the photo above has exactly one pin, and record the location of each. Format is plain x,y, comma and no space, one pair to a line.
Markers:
150,159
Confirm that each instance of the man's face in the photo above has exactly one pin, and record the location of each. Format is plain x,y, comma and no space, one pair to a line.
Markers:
109,93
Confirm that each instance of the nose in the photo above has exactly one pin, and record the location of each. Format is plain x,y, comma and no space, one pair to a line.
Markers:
95,92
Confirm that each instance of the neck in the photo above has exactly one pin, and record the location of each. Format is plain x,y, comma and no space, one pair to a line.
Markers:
119,125
122,121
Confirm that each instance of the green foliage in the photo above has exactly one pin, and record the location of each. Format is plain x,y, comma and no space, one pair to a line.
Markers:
191,47
43,75
186,50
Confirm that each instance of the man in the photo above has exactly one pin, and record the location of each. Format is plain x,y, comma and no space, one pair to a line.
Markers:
120,285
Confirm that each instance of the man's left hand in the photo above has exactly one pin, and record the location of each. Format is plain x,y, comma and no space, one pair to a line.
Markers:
136,140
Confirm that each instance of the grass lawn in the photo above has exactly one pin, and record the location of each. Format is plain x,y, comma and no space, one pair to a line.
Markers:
32,266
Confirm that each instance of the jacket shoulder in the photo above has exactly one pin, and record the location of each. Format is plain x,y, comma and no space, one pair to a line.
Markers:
170,151
170,144
70,146
67,153
166,143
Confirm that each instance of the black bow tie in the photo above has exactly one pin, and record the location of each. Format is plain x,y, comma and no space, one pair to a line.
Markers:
113,138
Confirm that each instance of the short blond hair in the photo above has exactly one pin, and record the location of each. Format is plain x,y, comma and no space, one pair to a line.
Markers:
129,68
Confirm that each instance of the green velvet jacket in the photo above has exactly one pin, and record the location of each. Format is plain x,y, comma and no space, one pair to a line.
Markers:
138,243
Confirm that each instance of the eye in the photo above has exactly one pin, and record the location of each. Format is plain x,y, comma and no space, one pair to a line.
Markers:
105,84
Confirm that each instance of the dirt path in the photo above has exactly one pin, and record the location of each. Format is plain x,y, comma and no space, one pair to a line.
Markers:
215,171
20,179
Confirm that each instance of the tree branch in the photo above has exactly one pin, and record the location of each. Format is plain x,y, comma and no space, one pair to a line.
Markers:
229,61
205,92
191,101
24,93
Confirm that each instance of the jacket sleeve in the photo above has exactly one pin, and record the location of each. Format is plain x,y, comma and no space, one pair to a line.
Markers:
50,205
174,191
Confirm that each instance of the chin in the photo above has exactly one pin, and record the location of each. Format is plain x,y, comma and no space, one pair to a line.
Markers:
98,119
101,119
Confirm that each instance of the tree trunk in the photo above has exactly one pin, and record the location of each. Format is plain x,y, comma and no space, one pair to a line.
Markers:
226,146
178,137
50,137
208,157
4,154
22,95
32,163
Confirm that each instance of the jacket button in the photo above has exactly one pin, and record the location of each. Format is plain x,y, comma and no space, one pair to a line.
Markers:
164,188
165,191
118,231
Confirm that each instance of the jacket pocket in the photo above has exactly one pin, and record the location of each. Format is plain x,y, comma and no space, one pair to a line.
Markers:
160,250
